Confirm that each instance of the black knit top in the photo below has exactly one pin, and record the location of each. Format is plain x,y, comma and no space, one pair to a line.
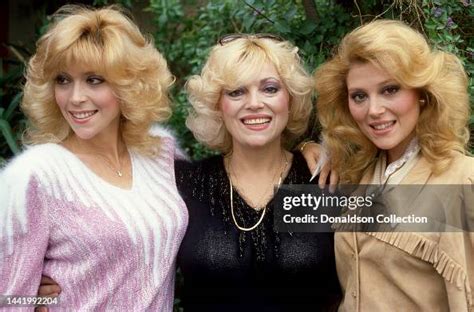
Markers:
226,269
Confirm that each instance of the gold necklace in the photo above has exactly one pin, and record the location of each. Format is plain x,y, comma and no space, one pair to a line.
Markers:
264,208
264,198
109,164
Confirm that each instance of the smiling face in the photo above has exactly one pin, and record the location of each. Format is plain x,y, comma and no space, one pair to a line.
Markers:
87,102
384,111
256,114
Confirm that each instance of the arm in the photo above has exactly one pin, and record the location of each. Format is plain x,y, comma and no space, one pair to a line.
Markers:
24,231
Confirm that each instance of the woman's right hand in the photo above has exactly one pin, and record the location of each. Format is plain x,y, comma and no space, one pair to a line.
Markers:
48,288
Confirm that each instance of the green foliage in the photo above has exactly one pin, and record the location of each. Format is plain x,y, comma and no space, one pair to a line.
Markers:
124,3
185,35
186,30
12,122
450,27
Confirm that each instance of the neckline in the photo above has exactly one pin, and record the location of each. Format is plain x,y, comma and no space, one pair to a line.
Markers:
398,169
240,197
96,177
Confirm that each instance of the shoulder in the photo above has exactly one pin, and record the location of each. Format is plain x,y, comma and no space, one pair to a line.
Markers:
299,161
50,166
42,164
209,165
466,166
200,167
31,161
182,169
169,140
198,173
460,171
299,172
162,131
464,162
22,177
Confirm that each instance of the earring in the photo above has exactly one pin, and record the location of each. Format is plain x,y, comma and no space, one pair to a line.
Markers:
422,101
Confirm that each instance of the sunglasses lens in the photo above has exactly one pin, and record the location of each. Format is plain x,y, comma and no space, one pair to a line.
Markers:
229,38
269,36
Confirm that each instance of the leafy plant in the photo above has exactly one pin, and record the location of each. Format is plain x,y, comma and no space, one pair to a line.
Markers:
12,122
185,35
186,30
450,27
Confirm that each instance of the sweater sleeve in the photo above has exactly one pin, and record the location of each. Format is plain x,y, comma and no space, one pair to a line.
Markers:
24,230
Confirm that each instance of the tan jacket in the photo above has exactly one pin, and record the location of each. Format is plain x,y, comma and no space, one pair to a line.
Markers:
408,271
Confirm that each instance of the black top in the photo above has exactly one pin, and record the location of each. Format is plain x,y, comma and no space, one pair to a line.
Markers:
226,269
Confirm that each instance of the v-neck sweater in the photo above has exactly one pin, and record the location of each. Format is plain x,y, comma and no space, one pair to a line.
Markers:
109,248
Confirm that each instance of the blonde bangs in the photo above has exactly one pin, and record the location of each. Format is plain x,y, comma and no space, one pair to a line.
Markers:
240,64
83,54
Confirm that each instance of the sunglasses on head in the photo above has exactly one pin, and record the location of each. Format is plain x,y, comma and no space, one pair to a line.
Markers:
231,37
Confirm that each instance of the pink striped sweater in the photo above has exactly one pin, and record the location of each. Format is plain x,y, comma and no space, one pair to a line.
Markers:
108,248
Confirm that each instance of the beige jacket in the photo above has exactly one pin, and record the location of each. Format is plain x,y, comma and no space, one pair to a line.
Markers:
408,271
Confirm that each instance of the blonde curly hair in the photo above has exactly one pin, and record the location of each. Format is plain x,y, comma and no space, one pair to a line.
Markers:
232,65
109,42
406,56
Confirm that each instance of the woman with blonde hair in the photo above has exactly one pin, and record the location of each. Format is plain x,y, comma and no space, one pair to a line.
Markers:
252,98
92,201
395,111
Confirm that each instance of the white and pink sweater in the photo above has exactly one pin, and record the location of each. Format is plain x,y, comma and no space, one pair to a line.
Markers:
108,248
